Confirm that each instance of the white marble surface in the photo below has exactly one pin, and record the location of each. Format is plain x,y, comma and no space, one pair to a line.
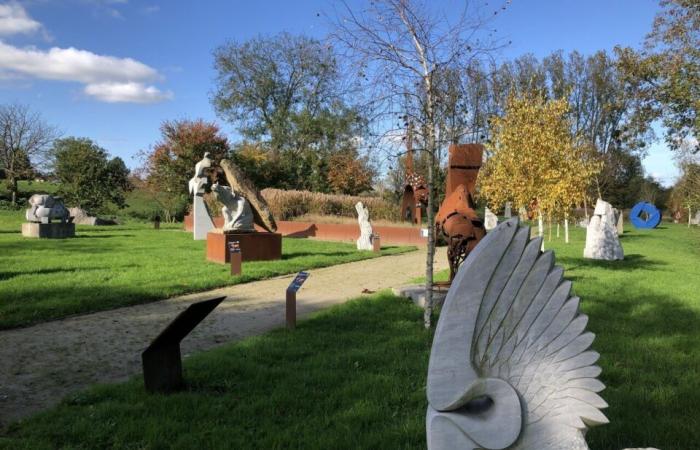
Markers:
602,241
364,242
490,220
510,366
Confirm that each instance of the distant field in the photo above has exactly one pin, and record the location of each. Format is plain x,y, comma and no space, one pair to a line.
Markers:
109,267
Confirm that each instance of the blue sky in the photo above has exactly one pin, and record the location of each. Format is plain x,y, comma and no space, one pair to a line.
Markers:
113,70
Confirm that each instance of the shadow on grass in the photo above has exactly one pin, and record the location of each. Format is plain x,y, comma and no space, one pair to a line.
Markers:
631,262
9,275
649,345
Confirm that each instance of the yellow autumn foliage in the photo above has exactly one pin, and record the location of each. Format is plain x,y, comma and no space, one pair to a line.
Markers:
533,161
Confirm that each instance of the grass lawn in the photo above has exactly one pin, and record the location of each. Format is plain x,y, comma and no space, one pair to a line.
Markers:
354,376
109,267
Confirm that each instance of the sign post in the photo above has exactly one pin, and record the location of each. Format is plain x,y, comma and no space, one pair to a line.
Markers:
236,258
291,305
376,244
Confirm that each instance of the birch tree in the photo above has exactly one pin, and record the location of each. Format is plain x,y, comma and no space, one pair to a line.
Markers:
404,52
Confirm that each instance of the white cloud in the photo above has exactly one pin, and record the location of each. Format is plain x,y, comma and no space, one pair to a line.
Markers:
131,92
108,78
15,20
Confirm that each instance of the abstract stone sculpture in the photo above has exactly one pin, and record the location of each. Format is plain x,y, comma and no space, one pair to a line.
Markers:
202,222
236,210
507,211
522,214
456,219
645,215
490,220
510,365
364,242
601,234
241,184
44,208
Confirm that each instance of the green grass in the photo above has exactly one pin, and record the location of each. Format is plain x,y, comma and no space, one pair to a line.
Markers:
353,376
109,267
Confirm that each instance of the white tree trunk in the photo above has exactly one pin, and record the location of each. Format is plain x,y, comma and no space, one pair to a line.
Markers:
689,215
540,227
566,230
557,230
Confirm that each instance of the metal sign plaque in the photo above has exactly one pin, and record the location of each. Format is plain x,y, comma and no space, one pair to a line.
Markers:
295,285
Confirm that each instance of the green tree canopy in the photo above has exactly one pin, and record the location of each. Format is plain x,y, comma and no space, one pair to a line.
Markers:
88,177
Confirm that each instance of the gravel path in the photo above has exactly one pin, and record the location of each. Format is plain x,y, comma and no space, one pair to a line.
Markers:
41,364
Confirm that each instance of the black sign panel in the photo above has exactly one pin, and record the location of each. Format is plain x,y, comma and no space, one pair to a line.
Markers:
295,285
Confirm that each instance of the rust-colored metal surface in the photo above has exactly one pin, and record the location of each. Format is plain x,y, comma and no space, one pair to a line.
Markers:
456,220
255,246
415,191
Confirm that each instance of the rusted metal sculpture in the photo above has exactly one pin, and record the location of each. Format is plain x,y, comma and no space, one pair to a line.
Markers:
456,219
415,191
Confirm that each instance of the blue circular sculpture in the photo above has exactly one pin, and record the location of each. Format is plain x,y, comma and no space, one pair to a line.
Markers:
645,215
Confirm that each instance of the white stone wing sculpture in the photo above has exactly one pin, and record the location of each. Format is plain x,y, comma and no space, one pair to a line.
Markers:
510,365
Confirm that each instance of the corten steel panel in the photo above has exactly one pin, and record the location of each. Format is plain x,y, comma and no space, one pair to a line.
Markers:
256,246
465,161
350,233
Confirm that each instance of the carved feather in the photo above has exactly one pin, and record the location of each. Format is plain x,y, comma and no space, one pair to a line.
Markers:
509,316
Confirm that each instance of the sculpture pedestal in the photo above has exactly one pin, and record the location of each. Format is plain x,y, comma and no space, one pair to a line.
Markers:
255,246
54,230
202,219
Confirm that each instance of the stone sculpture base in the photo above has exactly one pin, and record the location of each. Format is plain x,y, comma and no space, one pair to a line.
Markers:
255,246
54,230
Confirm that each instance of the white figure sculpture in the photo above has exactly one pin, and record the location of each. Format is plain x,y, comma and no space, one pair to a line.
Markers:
236,210
200,179
45,208
510,365
490,220
601,234
202,223
507,211
364,242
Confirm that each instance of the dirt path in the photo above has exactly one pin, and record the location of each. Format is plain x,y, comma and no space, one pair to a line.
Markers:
41,364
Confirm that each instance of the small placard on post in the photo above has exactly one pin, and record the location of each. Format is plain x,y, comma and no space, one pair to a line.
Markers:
376,244
291,301
236,257
162,364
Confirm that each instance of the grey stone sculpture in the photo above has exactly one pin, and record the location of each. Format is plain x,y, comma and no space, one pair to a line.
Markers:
236,210
510,366
364,242
490,220
601,234
202,223
44,208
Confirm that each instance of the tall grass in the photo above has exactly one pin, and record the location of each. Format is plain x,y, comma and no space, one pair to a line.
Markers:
286,205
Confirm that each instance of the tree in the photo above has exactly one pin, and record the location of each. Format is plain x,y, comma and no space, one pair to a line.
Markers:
349,174
88,178
534,159
285,94
25,136
667,71
170,163
406,56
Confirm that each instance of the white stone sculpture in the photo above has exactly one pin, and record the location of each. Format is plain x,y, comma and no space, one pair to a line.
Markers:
601,234
507,211
522,214
490,220
202,223
510,366
44,208
236,210
364,242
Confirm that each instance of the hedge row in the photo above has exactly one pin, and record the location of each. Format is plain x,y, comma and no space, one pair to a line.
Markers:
286,205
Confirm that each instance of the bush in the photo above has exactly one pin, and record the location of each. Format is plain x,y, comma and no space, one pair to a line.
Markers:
286,205
6,205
